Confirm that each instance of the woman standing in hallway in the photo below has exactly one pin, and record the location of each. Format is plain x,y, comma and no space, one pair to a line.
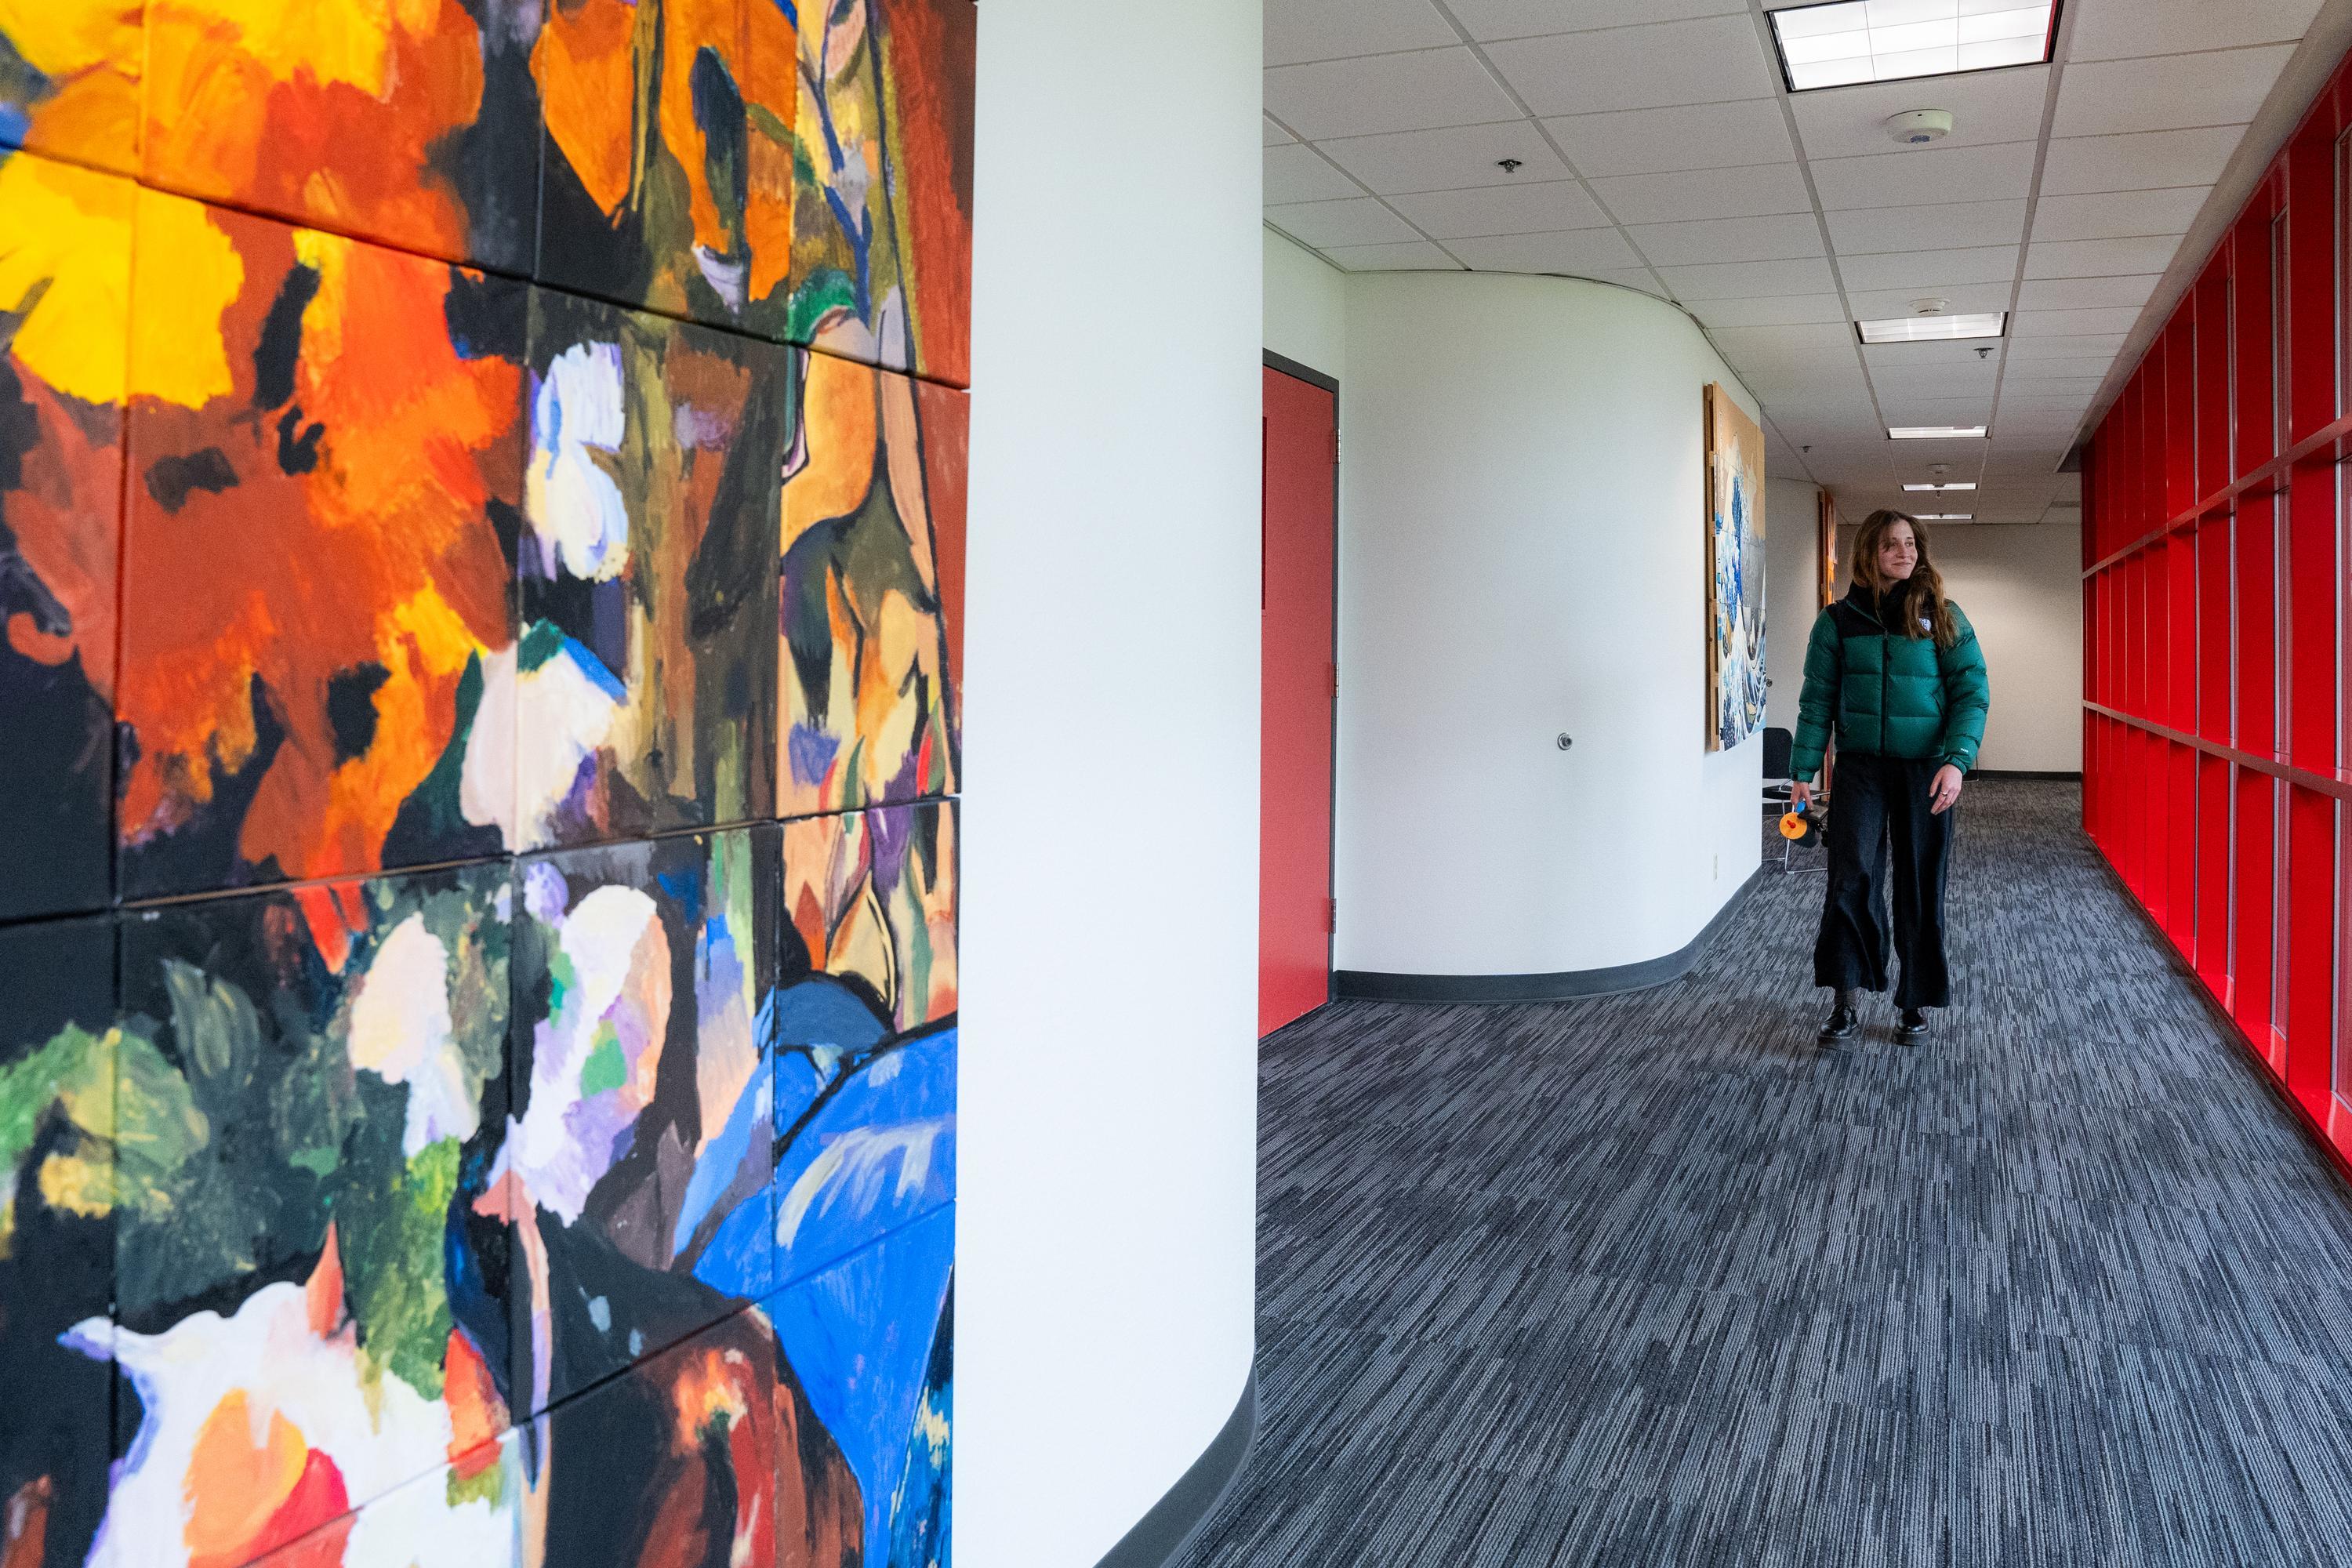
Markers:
1894,669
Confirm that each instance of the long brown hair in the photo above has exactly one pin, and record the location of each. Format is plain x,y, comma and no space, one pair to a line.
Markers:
1922,597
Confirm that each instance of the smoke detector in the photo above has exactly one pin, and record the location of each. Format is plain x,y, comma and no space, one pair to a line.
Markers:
1917,127
1930,307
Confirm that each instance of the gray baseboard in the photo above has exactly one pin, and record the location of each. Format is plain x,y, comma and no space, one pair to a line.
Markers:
1368,985
1161,1534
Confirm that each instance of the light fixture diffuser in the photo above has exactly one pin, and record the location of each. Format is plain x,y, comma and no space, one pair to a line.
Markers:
1895,40
1948,517
1934,433
1955,485
1934,328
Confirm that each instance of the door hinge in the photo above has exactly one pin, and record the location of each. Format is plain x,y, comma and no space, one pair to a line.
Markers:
1335,679
1330,917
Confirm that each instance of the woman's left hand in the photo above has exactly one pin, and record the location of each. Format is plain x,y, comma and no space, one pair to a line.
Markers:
1944,790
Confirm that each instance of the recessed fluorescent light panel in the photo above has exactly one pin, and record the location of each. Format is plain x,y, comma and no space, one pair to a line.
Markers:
1936,433
1948,517
1893,40
1955,485
1933,329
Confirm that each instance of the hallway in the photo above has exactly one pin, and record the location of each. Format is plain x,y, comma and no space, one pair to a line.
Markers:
1648,1280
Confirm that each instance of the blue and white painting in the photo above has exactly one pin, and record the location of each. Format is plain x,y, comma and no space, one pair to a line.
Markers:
1734,659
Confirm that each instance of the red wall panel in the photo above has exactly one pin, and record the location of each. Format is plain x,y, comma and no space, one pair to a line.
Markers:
2217,584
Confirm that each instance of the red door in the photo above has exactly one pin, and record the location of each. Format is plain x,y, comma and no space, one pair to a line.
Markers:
1300,679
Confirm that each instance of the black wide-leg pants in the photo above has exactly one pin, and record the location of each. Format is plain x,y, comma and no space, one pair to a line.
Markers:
1876,803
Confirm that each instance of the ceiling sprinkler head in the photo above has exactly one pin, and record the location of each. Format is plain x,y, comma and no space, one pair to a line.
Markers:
1917,127
1509,165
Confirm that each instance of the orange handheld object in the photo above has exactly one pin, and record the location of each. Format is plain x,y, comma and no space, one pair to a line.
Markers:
1799,828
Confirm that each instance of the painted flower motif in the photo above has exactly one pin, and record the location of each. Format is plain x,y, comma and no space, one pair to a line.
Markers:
575,508
399,1031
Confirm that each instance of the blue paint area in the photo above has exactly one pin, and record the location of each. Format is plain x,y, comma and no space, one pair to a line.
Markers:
860,1337
14,123
810,753
919,1535
741,1258
822,1014
877,1152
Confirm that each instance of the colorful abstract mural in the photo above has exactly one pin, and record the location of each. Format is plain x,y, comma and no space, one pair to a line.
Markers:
65,286
326,454
1735,573
873,585
882,223
646,681
481,557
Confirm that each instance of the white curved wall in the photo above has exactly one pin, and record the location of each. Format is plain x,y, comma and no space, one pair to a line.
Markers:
1109,945
1521,548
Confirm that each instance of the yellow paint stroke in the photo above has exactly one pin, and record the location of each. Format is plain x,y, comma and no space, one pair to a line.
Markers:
187,273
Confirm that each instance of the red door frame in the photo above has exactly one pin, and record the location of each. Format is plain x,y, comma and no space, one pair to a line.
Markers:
1282,366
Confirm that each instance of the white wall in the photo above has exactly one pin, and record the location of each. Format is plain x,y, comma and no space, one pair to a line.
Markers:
1306,307
1109,948
1521,537
1791,568
2023,588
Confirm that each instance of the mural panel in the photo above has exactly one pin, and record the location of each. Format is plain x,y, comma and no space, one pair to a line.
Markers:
667,178
647,677
310,1094
69,80
873,588
415,124
865,1026
1735,565
65,280
643,1146
882,222
326,473
56,1236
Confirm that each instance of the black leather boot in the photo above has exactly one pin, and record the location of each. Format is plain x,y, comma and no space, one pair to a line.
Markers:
1914,1027
1844,1023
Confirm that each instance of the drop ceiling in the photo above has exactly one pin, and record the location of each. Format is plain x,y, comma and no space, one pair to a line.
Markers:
1658,147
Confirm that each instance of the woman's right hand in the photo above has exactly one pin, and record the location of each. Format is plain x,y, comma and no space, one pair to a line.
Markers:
1800,795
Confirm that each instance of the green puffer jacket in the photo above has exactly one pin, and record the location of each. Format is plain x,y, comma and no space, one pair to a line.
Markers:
1894,696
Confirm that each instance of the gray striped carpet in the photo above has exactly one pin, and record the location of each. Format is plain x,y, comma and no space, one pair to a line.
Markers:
1648,1280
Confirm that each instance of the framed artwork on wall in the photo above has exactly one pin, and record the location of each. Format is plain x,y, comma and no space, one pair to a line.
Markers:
1826,551
1735,573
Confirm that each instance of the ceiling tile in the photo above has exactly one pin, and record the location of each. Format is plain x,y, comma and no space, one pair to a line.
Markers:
2056,323
1928,356
1636,277
1714,61
2042,372
2000,172
1452,158
1361,221
1492,19
2100,258
1693,193
1416,91
1817,340
2119,30
1881,304
1787,310
1877,230
1411,255
1930,269
1274,134
1299,174
1693,136
1750,280
2142,161
1538,209
2085,293
2078,346
1327,30
1778,238
2106,97
1573,252
1987,106
2118,215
